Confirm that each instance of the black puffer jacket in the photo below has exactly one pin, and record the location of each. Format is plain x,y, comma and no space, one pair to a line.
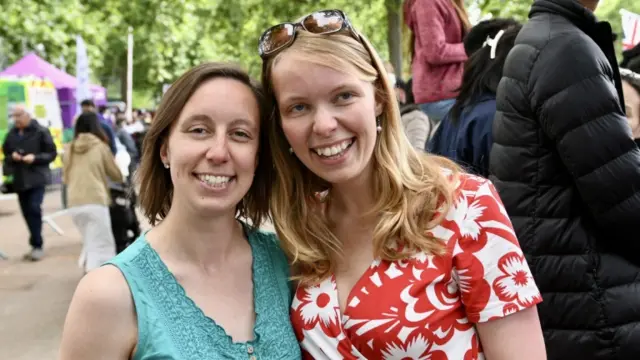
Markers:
568,173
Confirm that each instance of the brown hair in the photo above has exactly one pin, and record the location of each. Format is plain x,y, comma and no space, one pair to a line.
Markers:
156,187
462,15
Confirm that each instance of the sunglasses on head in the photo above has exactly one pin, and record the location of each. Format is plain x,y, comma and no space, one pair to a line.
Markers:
322,22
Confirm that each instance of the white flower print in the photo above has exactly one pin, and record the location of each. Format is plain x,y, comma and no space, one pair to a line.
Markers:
320,303
516,283
465,216
415,349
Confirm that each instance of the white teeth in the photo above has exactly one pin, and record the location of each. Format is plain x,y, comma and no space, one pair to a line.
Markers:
333,150
214,180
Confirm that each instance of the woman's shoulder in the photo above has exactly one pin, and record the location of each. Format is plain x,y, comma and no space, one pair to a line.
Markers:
101,307
104,289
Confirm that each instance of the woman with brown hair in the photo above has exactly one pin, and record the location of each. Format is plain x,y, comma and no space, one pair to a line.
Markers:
201,284
437,52
87,165
398,254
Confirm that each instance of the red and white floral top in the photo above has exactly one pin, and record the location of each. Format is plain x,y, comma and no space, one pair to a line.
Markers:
425,307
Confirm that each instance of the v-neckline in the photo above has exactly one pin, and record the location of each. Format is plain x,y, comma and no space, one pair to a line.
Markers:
362,280
216,328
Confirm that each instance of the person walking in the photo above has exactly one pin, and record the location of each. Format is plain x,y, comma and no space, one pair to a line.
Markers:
30,149
87,165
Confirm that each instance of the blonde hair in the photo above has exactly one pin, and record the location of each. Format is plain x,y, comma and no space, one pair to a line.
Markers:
414,190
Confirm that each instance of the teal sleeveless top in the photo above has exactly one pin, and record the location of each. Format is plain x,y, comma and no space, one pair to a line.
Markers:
172,327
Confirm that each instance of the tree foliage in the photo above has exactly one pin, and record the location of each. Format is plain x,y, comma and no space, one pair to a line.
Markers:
174,35
170,35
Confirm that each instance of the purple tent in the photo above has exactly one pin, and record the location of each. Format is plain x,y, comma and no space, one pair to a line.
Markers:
33,65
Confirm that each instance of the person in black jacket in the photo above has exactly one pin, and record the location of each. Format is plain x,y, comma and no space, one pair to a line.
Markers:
30,149
568,172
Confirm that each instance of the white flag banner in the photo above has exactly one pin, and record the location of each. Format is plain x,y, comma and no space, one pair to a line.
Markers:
630,28
83,92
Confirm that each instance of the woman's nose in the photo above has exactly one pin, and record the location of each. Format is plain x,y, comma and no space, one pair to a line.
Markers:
218,151
324,122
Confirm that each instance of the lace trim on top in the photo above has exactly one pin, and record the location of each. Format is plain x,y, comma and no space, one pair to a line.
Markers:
197,336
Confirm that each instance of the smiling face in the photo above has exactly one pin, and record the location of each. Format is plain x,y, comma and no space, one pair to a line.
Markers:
328,118
212,148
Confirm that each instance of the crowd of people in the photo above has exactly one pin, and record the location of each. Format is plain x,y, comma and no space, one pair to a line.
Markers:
98,167
486,208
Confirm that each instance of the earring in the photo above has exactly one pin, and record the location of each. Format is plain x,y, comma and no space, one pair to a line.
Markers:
378,128
290,150
166,165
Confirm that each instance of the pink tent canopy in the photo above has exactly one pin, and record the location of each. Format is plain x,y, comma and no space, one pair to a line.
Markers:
33,65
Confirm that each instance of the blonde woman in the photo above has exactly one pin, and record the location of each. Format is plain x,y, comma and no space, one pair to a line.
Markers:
402,255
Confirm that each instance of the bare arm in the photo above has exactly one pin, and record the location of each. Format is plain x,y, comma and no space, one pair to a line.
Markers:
522,329
101,322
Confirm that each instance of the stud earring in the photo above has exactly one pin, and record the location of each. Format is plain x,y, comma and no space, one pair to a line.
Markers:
378,128
290,150
166,165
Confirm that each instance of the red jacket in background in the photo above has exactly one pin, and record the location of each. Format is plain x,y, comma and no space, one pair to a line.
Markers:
439,52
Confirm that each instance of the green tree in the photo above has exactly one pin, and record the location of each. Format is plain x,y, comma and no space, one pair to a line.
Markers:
48,27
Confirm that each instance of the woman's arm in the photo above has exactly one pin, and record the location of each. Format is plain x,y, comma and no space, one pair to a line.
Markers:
522,329
101,322
496,285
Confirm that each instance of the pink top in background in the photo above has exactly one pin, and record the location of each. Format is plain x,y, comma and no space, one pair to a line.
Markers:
439,52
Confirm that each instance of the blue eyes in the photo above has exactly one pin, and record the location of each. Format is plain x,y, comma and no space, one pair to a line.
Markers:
342,98
297,108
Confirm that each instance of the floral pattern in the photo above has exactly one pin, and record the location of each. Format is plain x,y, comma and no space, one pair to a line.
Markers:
425,307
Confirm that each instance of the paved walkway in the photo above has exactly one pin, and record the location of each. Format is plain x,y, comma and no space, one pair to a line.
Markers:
34,297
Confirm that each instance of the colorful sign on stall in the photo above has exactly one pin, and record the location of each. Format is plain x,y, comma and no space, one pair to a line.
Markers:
40,97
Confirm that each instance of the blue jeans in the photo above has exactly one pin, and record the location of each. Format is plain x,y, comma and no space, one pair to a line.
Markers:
436,111
31,207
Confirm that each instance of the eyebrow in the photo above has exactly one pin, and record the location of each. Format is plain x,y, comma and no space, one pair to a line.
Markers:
241,121
197,117
337,89
207,118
